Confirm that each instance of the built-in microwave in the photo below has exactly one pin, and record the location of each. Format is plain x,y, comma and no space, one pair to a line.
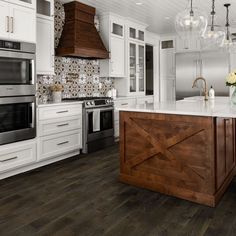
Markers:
17,119
17,68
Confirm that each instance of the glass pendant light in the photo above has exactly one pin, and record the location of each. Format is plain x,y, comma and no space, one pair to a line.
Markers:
191,22
228,43
214,35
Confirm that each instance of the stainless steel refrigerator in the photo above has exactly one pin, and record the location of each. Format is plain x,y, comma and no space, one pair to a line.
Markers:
211,65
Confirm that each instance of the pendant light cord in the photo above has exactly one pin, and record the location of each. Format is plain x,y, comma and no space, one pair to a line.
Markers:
213,16
191,8
227,20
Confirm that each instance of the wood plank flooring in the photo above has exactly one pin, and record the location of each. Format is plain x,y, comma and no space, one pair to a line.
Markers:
82,196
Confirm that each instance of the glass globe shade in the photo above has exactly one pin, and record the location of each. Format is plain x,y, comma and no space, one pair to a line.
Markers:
188,25
212,38
229,45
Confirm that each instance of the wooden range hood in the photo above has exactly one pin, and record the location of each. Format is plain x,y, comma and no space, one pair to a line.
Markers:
79,36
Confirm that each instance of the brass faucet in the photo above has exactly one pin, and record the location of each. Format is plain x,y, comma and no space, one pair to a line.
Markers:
205,86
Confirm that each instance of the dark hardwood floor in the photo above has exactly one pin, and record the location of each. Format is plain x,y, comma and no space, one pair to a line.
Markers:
82,196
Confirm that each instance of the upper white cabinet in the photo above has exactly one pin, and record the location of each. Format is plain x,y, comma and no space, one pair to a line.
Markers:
25,3
136,68
112,31
167,58
45,37
136,33
188,44
136,58
18,22
167,69
4,19
45,9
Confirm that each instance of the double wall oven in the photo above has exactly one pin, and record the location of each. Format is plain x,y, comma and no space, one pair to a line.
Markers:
17,91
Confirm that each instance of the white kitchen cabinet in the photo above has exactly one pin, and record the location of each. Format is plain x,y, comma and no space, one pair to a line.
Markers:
145,100
23,24
60,111
45,9
167,58
45,46
59,144
18,23
136,68
123,102
59,130
167,89
135,34
117,65
24,3
17,155
127,102
167,69
4,19
188,44
112,32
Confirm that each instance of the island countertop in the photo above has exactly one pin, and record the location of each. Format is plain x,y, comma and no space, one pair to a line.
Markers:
194,106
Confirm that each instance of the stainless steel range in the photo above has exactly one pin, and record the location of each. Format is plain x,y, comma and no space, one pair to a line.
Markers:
98,123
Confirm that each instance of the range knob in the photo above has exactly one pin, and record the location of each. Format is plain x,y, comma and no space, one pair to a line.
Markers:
88,104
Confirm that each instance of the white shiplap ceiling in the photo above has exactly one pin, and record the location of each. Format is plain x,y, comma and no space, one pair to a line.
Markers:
160,14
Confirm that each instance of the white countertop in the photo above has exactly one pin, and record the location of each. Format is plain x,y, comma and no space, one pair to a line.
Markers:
51,103
195,106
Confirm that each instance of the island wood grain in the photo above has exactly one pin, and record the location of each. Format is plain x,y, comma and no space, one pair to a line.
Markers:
189,157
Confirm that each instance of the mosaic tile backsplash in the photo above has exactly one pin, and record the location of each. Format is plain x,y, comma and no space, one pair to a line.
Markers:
79,77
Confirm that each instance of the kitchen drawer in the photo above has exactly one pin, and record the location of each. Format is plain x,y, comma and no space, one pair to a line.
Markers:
17,155
56,145
54,126
125,102
53,112
122,103
144,100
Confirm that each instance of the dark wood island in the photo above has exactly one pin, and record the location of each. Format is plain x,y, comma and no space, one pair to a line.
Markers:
187,156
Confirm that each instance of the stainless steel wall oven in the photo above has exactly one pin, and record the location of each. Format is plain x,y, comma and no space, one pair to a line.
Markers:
17,91
17,119
17,68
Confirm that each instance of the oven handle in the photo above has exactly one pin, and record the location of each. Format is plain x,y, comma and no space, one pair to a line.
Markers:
32,125
17,54
101,109
33,72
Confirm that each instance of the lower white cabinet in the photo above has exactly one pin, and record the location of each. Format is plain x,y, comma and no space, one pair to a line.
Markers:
126,102
19,154
145,100
59,130
167,89
53,126
59,144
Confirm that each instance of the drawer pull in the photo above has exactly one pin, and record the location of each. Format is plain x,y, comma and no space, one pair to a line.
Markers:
63,143
59,112
9,159
61,125
124,104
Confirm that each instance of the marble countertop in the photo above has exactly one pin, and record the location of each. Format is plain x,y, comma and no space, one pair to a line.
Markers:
51,103
195,106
